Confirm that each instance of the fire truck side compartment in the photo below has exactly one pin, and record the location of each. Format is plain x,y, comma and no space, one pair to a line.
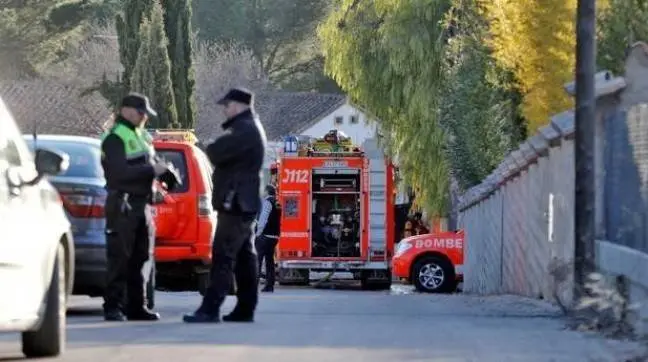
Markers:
336,200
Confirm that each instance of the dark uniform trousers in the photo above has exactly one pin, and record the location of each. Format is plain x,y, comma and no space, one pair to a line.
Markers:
130,239
233,252
266,249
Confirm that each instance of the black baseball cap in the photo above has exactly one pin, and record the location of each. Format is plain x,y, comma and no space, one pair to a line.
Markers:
240,95
139,102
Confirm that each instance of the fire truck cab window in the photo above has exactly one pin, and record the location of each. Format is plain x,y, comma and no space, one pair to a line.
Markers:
336,218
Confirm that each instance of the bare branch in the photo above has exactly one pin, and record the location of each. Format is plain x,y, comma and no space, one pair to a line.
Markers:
96,56
218,68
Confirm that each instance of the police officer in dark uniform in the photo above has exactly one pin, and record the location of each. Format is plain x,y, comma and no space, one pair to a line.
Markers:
267,235
128,160
237,157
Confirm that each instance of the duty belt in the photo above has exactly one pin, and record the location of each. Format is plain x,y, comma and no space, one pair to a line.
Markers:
126,198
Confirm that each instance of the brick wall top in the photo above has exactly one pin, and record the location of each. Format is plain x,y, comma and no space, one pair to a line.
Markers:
560,128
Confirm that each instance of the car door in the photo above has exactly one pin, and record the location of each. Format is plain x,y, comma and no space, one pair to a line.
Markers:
24,227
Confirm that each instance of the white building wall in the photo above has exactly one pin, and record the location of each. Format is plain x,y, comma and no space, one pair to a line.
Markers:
353,123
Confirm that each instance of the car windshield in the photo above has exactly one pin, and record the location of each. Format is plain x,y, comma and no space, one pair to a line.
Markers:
85,158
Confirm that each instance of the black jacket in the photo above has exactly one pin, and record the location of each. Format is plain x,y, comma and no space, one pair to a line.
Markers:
237,157
130,176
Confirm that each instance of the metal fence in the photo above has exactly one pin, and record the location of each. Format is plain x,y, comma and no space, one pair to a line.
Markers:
519,221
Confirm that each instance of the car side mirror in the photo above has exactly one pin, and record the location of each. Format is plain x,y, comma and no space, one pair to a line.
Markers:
49,162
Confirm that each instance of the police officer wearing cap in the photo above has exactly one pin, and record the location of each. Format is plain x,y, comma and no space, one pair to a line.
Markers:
128,160
237,157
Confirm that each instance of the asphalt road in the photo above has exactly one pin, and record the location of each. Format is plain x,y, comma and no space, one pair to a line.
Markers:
305,324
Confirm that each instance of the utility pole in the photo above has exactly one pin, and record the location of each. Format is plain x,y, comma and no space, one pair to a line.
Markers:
585,118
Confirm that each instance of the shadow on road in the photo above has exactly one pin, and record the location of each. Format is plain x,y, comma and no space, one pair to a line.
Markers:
10,358
84,312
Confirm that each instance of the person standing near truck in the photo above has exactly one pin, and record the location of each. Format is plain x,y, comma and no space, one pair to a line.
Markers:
267,235
237,157
130,168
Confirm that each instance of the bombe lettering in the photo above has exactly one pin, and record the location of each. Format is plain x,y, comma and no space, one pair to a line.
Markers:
439,243
336,164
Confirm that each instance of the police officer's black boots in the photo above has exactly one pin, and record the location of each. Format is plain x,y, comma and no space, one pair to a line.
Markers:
239,317
201,316
143,314
114,315
239,314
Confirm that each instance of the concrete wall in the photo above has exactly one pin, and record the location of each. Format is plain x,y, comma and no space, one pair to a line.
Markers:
613,259
519,221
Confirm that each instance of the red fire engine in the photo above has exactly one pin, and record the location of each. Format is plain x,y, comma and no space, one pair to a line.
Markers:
337,210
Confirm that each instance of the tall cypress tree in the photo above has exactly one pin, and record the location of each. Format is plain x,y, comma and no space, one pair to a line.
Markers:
177,21
177,37
151,74
128,34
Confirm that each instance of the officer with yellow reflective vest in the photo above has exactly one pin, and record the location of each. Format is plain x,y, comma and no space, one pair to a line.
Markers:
130,168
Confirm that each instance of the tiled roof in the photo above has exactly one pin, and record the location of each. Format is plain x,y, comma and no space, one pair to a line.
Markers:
54,107
284,112
59,108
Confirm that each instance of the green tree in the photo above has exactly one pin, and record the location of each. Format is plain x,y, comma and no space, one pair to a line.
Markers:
151,74
281,33
536,40
178,29
389,56
620,25
35,34
128,33
177,37
480,104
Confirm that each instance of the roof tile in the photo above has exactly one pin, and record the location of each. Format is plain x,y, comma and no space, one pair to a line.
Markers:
52,107
59,108
282,113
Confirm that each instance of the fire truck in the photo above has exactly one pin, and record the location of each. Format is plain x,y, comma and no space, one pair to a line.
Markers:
337,205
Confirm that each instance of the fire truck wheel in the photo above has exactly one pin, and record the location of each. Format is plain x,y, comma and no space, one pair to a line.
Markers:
281,277
287,277
432,274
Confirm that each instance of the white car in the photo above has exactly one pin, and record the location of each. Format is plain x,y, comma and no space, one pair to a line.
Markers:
36,245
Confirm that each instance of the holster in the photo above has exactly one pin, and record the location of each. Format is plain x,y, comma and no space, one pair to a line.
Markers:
112,211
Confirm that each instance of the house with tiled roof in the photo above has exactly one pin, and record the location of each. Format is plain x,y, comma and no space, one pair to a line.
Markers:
52,107
298,113
55,107
49,106
304,113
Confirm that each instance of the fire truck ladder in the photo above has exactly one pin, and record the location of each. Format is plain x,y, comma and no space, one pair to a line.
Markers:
377,206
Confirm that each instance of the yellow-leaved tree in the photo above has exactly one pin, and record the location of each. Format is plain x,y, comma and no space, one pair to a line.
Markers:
536,40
